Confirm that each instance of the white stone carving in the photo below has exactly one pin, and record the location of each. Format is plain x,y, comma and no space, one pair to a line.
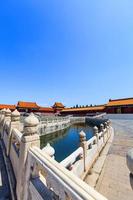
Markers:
49,150
129,158
30,125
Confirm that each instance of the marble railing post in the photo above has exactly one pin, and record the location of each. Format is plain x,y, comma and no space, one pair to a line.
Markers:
2,114
102,130
15,119
95,129
2,120
5,119
106,126
129,160
83,144
109,124
15,123
7,115
49,150
30,138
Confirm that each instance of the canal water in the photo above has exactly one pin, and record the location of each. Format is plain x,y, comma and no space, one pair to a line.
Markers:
66,141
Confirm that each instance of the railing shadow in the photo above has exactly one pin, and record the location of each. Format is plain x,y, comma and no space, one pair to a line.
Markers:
131,180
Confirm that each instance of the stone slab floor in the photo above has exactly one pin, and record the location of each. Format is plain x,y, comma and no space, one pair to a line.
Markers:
115,181
4,184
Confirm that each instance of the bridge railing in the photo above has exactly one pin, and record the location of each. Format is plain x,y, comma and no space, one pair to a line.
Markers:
11,137
81,160
6,130
38,175
71,159
14,150
59,183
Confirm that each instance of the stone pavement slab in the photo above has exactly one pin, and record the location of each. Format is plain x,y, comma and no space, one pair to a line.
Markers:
115,181
93,175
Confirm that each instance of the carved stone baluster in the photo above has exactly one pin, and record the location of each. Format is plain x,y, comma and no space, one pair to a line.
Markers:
30,138
102,130
49,150
83,144
95,129
2,121
15,123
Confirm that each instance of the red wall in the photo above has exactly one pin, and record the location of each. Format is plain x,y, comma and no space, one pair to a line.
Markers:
125,109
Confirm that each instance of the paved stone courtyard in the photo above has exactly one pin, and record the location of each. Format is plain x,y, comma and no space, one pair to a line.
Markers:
115,181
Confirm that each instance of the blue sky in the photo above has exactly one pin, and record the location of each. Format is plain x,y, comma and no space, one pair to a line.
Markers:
73,51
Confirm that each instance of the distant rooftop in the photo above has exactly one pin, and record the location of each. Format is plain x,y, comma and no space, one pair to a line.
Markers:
46,109
58,105
101,107
120,102
11,107
23,104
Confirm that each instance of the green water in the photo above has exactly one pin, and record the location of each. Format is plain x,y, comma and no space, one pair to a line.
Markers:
66,141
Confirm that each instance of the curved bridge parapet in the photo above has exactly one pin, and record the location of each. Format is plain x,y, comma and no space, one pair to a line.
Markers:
38,175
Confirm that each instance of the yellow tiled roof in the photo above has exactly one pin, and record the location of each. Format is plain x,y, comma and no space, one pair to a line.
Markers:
120,102
91,108
59,105
12,107
47,109
23,104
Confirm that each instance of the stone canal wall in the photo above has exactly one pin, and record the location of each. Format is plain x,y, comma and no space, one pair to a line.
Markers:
52,125
38,175
75,120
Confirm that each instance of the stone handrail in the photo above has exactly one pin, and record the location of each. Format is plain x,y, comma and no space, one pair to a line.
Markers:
6,130
81,160
17,134
7,126
31,164
14,151
91,141
68,162
64,183
76,155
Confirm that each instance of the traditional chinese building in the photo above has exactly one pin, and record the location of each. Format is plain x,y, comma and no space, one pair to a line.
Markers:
23,106
11,107
84,111
120,106
58,107
46,110
113,106
33,107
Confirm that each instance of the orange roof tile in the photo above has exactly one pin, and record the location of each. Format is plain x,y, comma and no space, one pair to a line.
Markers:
22,104
58,105
120,102
91,108
46,109
11,107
